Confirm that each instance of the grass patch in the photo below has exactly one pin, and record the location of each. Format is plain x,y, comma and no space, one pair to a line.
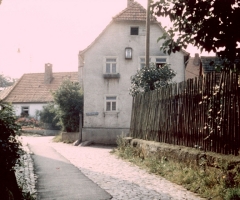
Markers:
57,138
208,182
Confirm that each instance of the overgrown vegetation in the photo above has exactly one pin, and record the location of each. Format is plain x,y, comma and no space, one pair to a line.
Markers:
69,104
6,81
57,138
64,112
25,183
151,78
49,115
28,122
211,25
10,154
208,182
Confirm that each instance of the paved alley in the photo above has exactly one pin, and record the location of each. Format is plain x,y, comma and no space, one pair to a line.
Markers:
119,178
57,178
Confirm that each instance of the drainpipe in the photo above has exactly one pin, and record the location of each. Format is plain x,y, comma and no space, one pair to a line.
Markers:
147,34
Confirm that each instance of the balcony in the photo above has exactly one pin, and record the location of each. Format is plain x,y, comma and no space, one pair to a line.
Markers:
111,76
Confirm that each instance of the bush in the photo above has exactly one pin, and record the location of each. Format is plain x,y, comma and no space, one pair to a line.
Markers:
210,183
28,121
151,78
69,101
49,115
233,194
10,152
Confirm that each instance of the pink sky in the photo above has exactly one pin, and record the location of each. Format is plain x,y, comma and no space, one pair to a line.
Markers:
52,31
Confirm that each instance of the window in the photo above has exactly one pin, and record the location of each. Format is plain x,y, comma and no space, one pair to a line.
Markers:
143,62
111,103
25,111
160,62
134,31
111,66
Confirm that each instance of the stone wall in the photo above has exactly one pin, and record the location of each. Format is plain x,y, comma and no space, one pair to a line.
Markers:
43,132
190,156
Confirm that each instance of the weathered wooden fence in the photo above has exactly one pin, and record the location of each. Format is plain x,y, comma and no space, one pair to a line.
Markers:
202,112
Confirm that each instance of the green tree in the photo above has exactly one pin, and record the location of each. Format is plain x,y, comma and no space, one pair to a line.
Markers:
10,152
69,101
49,115
6,81
210,25
151,78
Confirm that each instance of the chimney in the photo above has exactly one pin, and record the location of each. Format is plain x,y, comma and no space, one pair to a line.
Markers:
196,60
129,2
48,73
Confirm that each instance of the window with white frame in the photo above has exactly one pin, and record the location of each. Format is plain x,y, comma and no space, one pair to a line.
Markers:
143,62
160,61
25,111
111,103
111,66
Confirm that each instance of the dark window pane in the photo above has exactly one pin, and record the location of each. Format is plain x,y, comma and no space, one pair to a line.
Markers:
161,60
107,68
159,65
113,105
111,98
114,68
134,30
108,108
111,60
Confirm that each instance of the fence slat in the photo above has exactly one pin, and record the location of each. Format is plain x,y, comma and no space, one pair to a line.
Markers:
204,112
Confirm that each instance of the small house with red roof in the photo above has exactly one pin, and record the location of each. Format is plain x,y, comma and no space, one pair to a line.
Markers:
34,90
105,68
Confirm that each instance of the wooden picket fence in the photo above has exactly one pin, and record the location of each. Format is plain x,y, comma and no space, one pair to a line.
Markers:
203,113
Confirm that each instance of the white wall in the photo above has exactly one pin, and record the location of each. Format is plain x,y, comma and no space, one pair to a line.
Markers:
32,108
113,43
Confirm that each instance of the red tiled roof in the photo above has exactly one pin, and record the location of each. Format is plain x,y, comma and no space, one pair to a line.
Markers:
193,69
134,12
4,93
31,88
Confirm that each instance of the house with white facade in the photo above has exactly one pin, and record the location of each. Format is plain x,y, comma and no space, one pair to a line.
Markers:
105,68
34,90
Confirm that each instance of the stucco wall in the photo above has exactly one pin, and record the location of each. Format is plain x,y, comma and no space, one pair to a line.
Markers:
113,42
103,135
32,108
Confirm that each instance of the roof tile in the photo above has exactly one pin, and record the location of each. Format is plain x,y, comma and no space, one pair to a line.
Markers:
32,89
134,12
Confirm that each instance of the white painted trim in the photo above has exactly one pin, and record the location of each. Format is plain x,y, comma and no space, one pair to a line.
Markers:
152,59
104,63
105,101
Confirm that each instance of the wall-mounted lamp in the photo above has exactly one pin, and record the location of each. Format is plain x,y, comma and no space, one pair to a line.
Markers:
128,53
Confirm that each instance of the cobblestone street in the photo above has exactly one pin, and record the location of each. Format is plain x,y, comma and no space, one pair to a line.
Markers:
119,178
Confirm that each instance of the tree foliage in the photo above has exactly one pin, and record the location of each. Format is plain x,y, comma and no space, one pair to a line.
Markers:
10,152
151,78
69,101
210,25
49,115
6,81
9,145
